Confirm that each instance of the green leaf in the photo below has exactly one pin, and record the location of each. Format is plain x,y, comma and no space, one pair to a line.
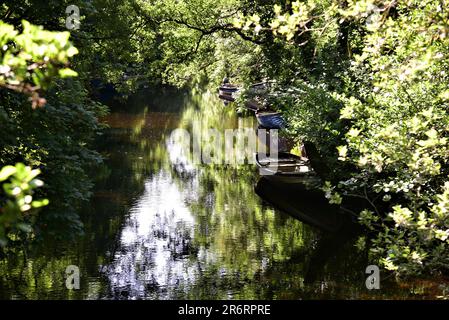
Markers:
6,172
66,72
72,51
40,203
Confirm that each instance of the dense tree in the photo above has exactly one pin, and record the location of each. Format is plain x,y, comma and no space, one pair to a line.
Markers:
392,97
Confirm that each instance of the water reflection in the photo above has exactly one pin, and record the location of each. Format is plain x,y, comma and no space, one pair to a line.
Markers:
199,231
155,242
161,227
302,199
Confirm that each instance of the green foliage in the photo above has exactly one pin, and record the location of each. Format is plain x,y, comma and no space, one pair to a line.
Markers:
55,138
389,84
412,240
31,59
398,137
284,24
19,209
364,81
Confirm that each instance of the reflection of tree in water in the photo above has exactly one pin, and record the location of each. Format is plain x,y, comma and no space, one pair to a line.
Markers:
197,223
204,233
158,227
133,152
154,243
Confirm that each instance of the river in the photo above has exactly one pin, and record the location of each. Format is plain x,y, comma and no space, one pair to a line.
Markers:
161,227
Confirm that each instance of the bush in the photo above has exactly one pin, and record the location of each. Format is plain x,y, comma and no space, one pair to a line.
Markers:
18,210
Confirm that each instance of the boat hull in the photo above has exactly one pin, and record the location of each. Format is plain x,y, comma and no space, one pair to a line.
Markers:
283,164
272,120
226,97
228,89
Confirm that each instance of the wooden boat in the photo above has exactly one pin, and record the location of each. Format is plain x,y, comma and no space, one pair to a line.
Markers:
226,92
283,164
270,120
259,85
228,88
284,143
253,105
226,97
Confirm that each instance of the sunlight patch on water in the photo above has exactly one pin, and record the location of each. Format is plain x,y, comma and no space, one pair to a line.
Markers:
155,241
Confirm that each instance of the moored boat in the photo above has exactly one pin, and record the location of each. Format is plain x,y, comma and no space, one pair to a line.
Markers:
270,120
285,143
226,97
228,89
283,164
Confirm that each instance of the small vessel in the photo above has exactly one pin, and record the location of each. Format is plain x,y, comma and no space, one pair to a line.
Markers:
270,120
252,105
283,164
226,91
226,97
285,143
228,88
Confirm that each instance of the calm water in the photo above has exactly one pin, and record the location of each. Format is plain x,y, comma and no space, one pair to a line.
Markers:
161,227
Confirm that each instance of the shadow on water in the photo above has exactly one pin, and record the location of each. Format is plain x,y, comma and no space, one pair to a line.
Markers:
160,226
301,199
307,204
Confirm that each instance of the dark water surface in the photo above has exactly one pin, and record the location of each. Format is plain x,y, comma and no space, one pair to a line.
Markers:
161,227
